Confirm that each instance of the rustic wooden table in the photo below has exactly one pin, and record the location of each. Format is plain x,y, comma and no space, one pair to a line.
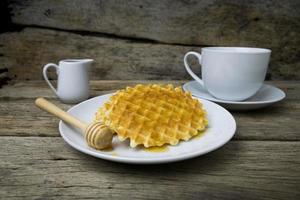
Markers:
262,161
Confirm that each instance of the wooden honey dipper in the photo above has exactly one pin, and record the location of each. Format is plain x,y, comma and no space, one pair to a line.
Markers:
97,135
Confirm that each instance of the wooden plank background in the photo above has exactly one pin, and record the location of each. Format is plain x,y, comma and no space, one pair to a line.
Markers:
145,39
25,53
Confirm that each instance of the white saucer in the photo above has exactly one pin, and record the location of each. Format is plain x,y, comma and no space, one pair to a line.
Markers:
266,95
220,130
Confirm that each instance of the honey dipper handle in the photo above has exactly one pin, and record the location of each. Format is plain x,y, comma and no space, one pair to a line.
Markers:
53,109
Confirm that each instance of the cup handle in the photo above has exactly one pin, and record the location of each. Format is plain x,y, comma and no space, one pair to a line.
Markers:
188,69
46,77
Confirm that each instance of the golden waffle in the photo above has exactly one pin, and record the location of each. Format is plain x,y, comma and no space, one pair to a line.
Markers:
153,115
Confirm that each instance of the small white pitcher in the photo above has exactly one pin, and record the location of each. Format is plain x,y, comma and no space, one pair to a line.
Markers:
73,79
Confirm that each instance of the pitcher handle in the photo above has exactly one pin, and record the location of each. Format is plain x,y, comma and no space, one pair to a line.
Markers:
188,69
46,77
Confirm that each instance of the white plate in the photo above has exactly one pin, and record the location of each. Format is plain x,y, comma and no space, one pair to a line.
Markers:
266,95
221,128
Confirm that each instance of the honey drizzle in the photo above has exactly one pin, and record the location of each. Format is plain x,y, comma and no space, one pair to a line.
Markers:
160,149
199,135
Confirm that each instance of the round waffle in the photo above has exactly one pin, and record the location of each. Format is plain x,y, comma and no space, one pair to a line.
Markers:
153,115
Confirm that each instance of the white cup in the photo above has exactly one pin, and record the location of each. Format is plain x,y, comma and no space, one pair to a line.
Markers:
73,79
231,73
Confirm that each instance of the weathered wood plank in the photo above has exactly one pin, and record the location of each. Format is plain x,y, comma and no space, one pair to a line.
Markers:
47,167
24,53
269,24
20,117
33,89
194,22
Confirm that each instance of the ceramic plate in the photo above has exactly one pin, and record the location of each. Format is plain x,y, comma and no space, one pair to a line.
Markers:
266,96
221,128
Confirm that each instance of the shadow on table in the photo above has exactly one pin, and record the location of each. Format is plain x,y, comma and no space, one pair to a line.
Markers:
275,108
212,162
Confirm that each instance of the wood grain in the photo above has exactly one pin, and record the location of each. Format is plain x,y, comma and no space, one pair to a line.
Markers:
33,89
194,22
44,168
23,55
20,117
269,24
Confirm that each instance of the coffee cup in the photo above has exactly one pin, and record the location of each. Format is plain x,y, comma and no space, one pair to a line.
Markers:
73,80
231,73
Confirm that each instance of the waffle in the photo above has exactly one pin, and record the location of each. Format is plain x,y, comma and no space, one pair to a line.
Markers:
153,115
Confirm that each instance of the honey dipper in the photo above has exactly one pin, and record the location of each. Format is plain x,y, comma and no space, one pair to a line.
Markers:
97,135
